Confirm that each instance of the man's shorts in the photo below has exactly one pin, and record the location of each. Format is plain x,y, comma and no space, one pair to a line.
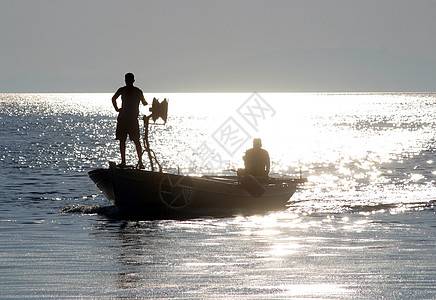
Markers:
125,128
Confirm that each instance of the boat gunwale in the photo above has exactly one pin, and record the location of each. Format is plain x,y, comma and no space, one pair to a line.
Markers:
224,179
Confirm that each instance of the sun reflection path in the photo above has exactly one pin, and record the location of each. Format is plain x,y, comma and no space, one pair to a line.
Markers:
302,245
279,255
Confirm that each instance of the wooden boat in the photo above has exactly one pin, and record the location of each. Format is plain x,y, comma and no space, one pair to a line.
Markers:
156,192
135,190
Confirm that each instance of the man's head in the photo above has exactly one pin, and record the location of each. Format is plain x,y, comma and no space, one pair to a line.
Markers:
129,78
257,143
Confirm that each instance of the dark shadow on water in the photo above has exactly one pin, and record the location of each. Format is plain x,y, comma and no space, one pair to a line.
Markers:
113,213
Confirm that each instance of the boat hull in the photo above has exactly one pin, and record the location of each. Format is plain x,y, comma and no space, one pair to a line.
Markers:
136,190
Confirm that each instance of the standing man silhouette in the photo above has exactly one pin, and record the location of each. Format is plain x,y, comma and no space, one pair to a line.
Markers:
127,121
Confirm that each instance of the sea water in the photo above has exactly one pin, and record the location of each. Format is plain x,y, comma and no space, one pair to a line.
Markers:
363,227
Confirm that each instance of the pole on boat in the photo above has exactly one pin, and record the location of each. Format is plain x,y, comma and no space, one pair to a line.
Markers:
146,142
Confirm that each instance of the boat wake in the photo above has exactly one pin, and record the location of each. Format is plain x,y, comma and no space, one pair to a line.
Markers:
108,211
392,207
322,206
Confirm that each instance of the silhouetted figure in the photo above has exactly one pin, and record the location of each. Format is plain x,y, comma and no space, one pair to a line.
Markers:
256,159
127,121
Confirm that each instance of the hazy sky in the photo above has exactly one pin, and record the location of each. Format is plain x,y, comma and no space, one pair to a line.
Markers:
87,40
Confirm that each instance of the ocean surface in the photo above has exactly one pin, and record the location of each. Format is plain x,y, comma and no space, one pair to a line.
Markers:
363,227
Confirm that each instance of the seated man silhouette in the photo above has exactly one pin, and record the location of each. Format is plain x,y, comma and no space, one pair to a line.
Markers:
256,159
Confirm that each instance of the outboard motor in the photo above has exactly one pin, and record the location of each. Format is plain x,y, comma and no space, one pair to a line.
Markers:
159,110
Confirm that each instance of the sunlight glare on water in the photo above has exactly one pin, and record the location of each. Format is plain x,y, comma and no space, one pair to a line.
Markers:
352,145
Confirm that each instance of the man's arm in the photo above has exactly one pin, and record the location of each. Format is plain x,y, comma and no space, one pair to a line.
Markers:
141,96
268,163
114,99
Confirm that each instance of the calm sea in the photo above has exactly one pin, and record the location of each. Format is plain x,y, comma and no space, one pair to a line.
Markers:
363,227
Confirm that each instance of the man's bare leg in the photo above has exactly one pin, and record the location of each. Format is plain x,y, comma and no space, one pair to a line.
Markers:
123,153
